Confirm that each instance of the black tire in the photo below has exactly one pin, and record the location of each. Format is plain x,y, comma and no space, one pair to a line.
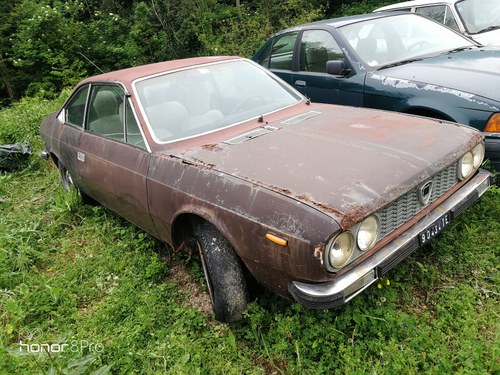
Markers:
223,273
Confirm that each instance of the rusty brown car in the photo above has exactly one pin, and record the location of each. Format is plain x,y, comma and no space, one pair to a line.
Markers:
220,156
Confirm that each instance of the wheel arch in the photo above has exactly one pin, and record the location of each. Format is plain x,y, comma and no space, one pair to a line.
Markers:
54,158
186,224
429,112
184,227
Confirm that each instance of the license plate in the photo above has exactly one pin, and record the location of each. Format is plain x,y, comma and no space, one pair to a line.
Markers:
434,229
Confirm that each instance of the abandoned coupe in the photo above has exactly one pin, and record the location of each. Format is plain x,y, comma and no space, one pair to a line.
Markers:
220,156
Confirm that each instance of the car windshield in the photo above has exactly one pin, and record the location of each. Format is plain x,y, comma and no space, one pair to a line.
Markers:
479,15
206,98
399,38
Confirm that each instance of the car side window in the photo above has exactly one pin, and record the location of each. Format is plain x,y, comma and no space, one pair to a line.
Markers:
282,52
134,135
105,112
74,112
316,48
111,115
439,13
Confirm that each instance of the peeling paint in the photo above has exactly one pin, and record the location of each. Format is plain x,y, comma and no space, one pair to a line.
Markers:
318,252
399,84
212,147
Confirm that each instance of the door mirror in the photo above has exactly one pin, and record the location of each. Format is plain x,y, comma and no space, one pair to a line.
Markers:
337,68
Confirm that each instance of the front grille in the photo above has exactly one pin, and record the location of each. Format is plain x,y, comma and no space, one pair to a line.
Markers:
407,206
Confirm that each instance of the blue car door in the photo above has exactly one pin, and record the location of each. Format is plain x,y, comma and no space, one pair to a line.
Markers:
277,56
316,48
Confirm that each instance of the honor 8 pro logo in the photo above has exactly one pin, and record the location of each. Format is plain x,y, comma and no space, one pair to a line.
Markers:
26,344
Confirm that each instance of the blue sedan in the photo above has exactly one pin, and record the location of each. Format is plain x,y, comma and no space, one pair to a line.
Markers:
393,61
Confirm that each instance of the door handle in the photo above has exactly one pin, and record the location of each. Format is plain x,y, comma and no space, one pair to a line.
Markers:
300,83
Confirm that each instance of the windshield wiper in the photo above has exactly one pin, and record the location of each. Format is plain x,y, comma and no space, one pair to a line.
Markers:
400,62
459,49
489,28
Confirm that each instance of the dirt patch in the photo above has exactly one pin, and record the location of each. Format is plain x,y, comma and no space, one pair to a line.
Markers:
198,297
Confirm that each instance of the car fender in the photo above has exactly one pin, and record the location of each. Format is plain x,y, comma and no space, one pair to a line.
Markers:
408,96
245,218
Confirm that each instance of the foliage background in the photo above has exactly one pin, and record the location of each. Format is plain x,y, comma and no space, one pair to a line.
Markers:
46,45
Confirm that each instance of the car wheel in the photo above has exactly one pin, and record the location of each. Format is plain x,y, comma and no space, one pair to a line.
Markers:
223,273
66,179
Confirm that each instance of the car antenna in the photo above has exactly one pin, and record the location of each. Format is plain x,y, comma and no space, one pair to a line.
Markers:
90,61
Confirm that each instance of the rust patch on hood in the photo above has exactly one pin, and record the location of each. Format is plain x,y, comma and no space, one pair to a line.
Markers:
212,147
279,189
307,199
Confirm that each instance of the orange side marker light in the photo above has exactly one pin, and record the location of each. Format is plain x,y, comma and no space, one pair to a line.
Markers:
277,240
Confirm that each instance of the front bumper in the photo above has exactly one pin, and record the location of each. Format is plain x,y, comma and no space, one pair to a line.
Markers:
336,292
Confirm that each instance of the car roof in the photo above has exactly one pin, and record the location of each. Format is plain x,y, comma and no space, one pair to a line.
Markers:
128,75
339,22
412,3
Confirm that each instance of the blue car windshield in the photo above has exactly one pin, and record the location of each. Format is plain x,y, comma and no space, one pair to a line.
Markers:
387,40
202,99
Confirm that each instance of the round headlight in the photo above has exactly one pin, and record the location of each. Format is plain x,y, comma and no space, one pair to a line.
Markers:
340,250
465,166
367,233
478,153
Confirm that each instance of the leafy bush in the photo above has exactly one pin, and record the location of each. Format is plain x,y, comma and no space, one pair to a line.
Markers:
23,119
49,45
360,7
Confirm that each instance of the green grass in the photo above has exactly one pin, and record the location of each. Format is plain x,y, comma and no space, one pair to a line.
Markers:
79,275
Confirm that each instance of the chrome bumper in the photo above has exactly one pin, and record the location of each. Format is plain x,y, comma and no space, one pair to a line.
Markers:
336,292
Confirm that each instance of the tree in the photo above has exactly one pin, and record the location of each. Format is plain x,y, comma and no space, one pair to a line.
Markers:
46,45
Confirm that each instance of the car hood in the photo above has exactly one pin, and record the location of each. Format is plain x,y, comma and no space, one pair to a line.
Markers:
472,71
347,162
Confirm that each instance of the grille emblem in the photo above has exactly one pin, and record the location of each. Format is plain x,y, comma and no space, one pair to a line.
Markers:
424,194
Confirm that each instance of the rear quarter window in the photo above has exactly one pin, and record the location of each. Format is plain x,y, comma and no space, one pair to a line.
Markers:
75,108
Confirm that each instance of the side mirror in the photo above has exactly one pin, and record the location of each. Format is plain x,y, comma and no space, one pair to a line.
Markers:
337,68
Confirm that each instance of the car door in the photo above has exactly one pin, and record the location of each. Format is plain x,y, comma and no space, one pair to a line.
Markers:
316,48
113,158
277,55
67,132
